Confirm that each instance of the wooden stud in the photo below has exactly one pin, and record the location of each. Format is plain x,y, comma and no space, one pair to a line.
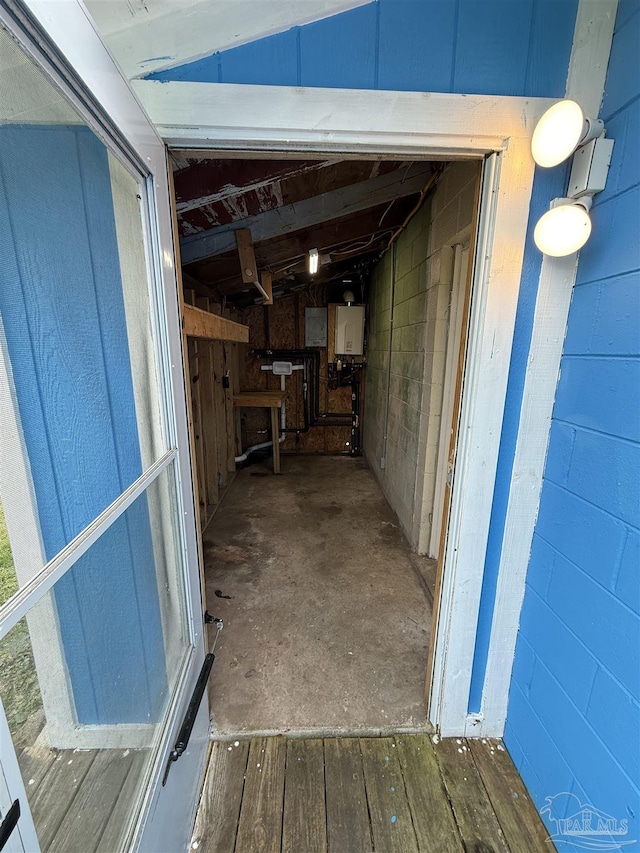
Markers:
208,419
203,324
267,287
248,267
229,409
275,437
196,415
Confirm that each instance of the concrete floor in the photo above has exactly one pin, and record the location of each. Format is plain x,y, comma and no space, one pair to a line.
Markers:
328,624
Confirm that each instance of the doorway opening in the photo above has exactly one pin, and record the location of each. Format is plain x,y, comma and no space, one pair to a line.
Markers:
347,380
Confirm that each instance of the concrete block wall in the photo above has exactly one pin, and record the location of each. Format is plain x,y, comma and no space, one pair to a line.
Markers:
407,347
574,715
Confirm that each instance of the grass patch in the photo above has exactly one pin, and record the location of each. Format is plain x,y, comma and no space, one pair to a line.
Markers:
8,581
19,686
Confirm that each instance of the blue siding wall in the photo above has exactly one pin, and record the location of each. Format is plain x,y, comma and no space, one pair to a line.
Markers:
574,714
499,47
63,315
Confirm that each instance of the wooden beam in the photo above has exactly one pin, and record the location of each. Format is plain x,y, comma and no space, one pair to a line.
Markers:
202,324
223,271
206,182
308,213
267,287
248,266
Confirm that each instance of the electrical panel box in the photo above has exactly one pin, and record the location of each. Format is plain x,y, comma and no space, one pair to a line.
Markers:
349,329
315,327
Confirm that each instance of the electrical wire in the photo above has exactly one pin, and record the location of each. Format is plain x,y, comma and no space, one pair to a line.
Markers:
432,179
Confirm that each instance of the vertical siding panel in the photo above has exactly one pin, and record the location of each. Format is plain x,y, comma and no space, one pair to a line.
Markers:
77,409
551,37
416,45
340,51
492,46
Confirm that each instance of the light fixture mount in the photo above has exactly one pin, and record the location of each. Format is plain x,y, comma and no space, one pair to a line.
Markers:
560,130
565,227
314,261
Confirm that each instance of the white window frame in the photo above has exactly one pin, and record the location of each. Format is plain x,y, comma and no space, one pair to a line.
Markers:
103,98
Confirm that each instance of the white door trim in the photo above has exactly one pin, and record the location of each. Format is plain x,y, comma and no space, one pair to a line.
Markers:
456,304
585,84
418,125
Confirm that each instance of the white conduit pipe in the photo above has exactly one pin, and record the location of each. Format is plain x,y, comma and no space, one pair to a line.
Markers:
249,450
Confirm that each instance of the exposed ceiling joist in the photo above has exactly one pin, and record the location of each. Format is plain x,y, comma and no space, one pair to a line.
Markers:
280,255
308,213
206,182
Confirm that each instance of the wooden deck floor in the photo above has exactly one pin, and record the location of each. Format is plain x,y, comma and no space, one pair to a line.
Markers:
357,795
80,799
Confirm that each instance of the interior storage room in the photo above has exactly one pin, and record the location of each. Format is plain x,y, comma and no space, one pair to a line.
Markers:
325,313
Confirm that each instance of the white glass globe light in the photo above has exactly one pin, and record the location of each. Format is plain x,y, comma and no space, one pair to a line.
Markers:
562,230
558,133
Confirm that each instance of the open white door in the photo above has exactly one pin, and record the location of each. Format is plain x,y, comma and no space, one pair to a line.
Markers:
101,629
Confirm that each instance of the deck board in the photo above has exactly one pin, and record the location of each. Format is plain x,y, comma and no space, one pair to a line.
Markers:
304,824
121,813
348,826
433,818
88,814
278,795
476,820
260,825
511,803
217,818
81,799
339,795
35,763
56,792
391,820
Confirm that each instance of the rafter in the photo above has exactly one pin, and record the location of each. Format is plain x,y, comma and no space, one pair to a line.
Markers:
308,213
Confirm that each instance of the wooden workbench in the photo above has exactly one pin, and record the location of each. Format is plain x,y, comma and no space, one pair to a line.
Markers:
265,399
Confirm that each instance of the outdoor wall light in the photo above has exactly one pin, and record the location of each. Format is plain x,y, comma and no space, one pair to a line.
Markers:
314,261
562,131
565,228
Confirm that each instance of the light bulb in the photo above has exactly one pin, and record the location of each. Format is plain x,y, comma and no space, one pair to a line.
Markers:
562,230
314,261
558,133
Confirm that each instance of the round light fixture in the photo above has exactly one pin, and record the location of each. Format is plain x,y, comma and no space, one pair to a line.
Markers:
558,133
565,228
